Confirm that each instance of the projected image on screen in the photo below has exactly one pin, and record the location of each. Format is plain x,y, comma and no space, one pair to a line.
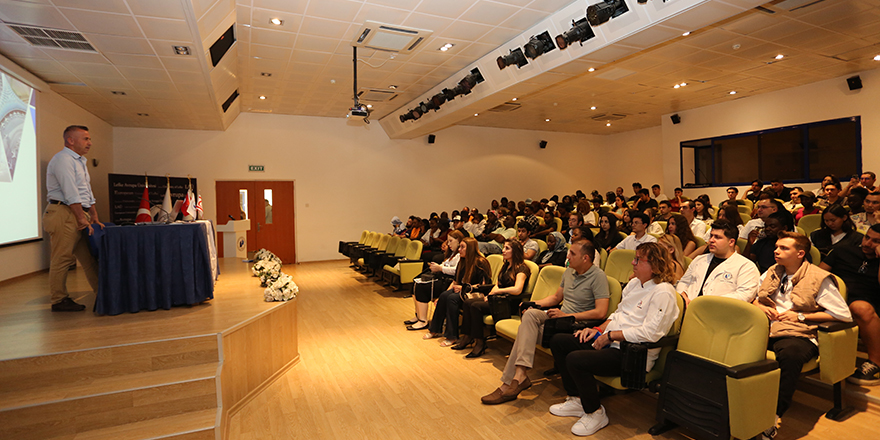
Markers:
19,186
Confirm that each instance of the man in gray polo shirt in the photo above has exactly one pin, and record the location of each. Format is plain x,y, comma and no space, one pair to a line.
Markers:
584,289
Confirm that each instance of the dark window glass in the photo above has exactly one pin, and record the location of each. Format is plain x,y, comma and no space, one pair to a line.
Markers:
782,155
736,159
831,149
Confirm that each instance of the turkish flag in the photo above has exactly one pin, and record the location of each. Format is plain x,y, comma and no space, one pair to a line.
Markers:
143,214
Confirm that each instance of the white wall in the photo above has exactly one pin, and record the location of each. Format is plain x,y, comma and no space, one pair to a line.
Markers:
348,178
819,101
54,113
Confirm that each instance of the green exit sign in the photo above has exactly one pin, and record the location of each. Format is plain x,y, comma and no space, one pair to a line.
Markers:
256,168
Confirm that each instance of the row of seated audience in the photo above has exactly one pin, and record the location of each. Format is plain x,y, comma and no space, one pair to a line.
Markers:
773,272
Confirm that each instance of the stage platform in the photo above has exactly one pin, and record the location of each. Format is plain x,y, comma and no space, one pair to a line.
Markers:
176,373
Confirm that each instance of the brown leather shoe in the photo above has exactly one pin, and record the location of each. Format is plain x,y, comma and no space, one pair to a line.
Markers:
67,305
516,388
496,397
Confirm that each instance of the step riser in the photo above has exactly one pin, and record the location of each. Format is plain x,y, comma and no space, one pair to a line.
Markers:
68,418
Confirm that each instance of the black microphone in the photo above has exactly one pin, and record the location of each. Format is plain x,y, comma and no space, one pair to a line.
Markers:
231,217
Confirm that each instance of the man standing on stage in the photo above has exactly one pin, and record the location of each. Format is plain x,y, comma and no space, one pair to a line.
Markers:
71,212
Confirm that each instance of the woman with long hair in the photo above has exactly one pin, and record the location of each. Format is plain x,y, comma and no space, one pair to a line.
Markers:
620,207
679,226
731,214
555,253
440,279
703,208
646,312
625,224
608,236
472,269
676,255
511,281
836,228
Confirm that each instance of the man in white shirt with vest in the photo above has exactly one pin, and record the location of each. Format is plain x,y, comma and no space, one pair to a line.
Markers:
722,272
70,215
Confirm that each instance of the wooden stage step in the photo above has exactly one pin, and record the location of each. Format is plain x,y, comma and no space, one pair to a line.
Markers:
161,389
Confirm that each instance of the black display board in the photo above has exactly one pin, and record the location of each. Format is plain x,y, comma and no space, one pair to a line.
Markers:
126,191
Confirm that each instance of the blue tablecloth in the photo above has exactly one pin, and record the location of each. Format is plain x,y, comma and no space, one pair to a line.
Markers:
147,267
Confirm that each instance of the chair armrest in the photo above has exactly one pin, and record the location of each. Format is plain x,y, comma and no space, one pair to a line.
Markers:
666,341
835,326
405,261
752,369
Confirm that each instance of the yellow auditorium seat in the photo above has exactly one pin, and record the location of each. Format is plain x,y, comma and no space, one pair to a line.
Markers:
407,268
619,265
810,223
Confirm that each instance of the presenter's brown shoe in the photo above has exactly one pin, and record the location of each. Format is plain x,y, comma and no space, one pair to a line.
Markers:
67,305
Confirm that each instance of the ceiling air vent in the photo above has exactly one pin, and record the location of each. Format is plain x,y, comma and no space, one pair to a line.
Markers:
389,38
609,117
377,95
55,38
506,107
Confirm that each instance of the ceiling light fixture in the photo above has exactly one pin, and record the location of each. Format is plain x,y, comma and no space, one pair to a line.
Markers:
143,114
276,21
607,124
780,56
463,88
685,34
733,92
392,87
514,99
266,74
369,105
181,50
514,57
580,31
547,120
877,58
446,47
539,45
591,69
262,96
476,114
593,108
676,86
605,10
117,92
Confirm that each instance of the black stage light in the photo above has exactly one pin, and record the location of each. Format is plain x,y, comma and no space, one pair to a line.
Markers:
417,113
580,31
604,11
408,116
474,78
426,106
539,45
514,57
438,99
449,94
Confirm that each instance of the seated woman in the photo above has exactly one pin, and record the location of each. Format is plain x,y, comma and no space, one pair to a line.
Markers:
441,277
730,213
511,281
645,314
555,253
684,233
808,206
608,236
625,224
676,255
761,245
472,269
620,207
703,208
836,229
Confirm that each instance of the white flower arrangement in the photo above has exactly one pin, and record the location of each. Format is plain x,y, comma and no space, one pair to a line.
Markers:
282,289
264,254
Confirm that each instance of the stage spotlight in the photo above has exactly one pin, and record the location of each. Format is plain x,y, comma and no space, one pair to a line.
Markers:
438,99
514,57
539,45
580,31
426,106
408,116
449,94
604,11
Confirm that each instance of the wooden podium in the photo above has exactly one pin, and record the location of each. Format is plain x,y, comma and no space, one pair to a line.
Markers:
235,237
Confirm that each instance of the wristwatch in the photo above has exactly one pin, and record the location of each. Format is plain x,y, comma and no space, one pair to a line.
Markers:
801,317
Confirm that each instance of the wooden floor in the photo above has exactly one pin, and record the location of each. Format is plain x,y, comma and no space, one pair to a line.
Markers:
29,328
363,376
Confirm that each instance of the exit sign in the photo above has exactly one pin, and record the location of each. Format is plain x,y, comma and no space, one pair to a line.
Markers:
256,168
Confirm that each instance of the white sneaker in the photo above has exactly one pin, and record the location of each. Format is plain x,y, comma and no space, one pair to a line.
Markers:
570,408
589,424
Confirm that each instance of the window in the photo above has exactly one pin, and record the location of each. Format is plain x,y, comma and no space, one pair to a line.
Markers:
800,153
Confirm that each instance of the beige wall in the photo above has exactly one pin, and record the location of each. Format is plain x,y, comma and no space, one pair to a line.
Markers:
54,114
819,101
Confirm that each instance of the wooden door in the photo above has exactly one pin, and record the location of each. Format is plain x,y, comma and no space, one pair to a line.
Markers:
270,207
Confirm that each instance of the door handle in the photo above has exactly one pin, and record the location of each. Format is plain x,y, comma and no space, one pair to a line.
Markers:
258,226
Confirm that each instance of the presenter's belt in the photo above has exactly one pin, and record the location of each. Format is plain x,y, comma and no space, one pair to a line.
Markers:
57,202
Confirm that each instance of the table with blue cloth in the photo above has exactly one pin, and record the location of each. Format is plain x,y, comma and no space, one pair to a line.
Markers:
147,267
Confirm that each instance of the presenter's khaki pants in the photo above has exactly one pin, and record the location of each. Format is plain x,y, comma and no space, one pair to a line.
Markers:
68,245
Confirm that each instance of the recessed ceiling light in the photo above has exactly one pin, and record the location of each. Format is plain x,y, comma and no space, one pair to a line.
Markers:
685,34
676,86
683,84
262,96
117,92
780,56
607,124
547,120
392,87
446,47
181,50
593,108
369,105
143,114
733,92
877,58
266,74
276,21
476,114
514,99
591,69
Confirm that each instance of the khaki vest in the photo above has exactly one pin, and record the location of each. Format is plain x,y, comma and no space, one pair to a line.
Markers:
805,288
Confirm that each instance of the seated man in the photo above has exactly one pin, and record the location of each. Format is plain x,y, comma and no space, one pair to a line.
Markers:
476,225
762,250
858,267
796,295
530,247
794,203
589,215
583,294
549,226
763,209
676,201
871,215
639,235
721,272
575,220
529,217
656,194
732,194
866,180
664,209
832,195
496,238
754,191
779,190
646,311
855,201
654,228
698,227
637,192
645,201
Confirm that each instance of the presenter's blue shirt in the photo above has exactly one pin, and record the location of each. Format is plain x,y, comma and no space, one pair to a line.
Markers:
68,180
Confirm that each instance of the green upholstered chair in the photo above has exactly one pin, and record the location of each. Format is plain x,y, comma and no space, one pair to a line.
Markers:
662,224
524,296
741,244
619,265
810,223
345,245
838,342
815,255
687,262
603,258
718,382
743,209
548,281
407,268
391,260
495,263
380,247
558,224
700,242
374,260
356,251
745,217
542,246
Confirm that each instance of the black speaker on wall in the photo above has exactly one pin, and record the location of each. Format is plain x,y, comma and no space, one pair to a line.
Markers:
854,82
431,138
676,119
542,144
